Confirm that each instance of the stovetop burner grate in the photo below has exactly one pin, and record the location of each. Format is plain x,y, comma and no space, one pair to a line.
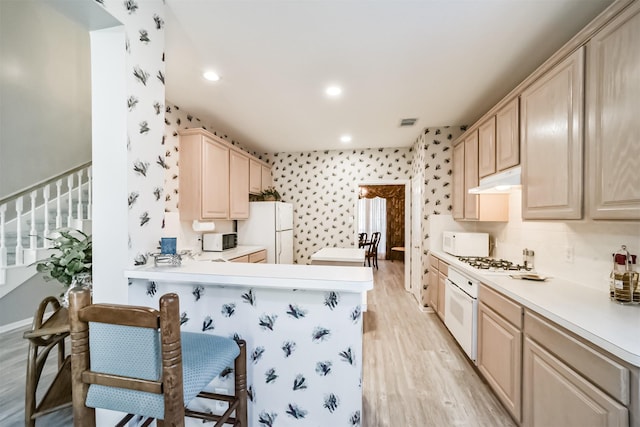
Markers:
492,264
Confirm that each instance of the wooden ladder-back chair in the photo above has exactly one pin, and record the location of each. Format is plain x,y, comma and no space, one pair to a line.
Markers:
372,249
135,360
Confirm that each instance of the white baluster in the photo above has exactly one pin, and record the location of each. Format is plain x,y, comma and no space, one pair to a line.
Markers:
89,186
70,194
19,254
33,233
79,213
58,201
3,247
46,194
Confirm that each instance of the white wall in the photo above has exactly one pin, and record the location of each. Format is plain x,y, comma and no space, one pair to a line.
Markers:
45,94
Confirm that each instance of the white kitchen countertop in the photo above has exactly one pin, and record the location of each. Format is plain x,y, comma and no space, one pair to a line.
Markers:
339,255
583,310
229,253
278,276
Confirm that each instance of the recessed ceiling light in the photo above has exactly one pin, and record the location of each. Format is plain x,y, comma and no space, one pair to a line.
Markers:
212,76
345,139
333,91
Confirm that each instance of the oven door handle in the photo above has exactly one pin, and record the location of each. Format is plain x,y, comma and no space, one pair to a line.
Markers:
457,290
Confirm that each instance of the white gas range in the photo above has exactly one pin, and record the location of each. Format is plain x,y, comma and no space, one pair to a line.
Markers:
461,298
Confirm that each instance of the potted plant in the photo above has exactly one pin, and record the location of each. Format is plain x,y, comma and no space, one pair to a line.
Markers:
270,194
71,260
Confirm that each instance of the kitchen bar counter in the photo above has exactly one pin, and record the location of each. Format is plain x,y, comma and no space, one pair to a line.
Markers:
583,310
302,324
274,276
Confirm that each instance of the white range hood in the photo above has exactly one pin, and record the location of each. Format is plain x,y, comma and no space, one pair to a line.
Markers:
502,182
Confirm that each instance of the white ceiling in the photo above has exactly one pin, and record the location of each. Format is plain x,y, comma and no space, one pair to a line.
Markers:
444,62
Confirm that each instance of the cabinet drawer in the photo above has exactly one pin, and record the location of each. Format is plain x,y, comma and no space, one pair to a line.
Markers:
609,375
240,259
506,308
258,256
433,262
443,268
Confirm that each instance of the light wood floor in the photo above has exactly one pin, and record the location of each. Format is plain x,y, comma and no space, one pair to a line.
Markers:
415,375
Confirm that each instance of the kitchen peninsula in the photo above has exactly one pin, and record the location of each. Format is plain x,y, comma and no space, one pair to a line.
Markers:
302,323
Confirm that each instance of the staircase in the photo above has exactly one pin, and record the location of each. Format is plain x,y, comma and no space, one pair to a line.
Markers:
28,216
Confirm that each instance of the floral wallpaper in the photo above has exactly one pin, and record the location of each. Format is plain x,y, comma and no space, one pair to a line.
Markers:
322,186
304,349
144,26
432,161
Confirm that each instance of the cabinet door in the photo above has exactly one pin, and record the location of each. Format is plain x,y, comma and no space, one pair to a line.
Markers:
238,186
244,258
613,103
487,148
255,177
215,180
267,181
556,395
432,290
508,136
470,176
552,119
441,287
457,181
500,357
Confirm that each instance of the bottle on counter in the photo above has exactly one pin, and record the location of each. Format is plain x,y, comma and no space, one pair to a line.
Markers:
623,286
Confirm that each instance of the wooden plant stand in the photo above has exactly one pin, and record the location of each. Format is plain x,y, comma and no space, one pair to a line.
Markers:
47,334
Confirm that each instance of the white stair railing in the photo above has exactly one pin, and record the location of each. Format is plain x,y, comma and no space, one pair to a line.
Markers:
20,225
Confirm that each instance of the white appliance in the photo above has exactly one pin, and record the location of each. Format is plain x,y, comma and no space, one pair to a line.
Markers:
461,311
217,242
270,224
501,182
465,244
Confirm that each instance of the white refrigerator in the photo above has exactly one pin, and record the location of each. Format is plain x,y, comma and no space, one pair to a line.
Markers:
270,224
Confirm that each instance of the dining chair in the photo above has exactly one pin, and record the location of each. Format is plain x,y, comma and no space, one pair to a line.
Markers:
372,249
136,360
362,240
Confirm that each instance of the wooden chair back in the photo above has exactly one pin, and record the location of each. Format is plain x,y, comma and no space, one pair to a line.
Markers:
362,238
166,320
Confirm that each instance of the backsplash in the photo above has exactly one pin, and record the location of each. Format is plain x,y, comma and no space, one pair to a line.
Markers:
592,243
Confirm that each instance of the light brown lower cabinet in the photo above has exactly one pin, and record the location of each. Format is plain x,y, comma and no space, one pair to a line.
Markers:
572,383
500,358
254,257
556,395
437,275
443,271
500,347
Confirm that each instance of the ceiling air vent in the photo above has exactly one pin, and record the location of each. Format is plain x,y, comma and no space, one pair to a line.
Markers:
407,122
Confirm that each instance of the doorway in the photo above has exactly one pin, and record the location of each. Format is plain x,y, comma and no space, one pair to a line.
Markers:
393,239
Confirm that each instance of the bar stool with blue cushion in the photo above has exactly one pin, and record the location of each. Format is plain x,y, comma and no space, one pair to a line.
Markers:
135,360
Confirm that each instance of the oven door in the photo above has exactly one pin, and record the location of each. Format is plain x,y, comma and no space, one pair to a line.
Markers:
460,317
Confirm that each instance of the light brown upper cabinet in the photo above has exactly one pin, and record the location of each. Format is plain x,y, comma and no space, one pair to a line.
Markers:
255,177
470,175
613,124
214,177
457,180
238,185
551,131
484,207
267,181
487,148
508,136
204,177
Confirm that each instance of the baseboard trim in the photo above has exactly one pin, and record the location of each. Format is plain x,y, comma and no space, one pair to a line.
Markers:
15,325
